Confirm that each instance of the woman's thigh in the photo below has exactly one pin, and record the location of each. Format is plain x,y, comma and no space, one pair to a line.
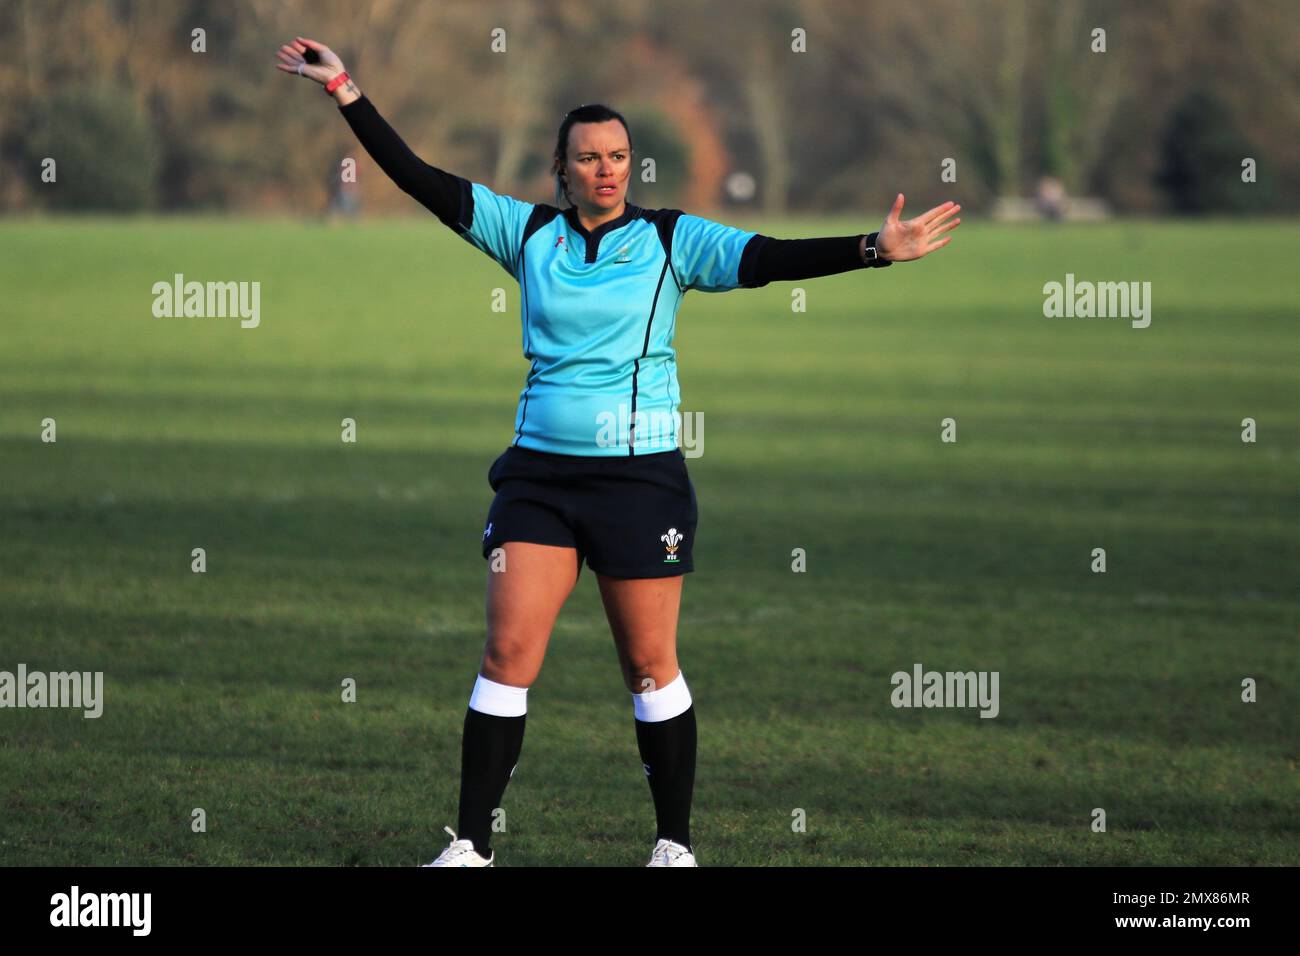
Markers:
523,602
642,614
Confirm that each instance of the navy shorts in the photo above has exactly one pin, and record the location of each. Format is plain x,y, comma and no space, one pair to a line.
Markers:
630,516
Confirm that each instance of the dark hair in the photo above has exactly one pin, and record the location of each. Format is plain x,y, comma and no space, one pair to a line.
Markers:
589,113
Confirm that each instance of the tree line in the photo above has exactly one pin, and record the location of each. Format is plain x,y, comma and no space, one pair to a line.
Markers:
1154,106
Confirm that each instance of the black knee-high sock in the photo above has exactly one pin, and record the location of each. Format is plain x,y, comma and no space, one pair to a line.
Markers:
489,751
668,752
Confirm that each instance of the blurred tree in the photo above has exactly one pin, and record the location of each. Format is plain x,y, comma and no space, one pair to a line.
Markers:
106,152
655,137
1201,152
1008,89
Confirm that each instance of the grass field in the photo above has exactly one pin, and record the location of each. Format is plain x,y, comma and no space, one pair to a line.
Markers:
329,560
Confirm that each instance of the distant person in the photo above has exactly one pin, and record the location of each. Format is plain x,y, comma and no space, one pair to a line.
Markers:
602,280
1050,198
344,196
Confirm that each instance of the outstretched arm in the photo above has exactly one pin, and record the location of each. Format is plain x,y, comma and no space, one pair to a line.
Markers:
442,193
713,257
769,260
766,259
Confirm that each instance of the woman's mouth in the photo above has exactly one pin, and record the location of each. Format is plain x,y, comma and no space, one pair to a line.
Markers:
606,190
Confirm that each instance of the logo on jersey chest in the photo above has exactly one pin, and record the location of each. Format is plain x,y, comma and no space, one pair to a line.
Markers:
622,256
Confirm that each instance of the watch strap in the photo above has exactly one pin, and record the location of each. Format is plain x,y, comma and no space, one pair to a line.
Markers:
871,258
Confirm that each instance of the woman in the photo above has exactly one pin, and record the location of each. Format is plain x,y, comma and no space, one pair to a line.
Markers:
601,281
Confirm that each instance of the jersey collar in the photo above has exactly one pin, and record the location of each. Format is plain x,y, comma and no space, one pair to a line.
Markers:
592,239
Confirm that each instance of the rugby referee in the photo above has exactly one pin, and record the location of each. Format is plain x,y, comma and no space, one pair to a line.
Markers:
601,280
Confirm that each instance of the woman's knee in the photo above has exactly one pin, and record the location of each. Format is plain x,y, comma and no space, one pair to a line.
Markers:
643,674
512,660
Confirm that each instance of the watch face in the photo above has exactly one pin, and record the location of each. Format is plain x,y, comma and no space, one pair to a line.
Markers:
871,253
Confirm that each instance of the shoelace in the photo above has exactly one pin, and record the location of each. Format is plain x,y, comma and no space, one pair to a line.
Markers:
670,852
457,848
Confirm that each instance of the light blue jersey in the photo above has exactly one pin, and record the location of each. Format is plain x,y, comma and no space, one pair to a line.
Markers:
598,311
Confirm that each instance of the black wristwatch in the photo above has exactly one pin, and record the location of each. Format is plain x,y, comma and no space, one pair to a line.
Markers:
870,257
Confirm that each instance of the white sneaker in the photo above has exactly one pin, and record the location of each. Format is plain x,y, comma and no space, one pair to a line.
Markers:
668,853
461,853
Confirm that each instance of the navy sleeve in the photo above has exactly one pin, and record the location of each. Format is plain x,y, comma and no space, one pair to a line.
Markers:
444,194
766,259
490,222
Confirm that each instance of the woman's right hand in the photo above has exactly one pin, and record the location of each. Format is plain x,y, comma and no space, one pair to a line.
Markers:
292,60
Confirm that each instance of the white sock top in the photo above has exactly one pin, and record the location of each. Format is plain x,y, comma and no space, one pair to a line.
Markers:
663,703
500,700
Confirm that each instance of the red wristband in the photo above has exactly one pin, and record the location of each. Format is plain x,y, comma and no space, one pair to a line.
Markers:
338,81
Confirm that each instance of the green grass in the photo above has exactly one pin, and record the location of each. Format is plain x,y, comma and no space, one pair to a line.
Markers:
328,560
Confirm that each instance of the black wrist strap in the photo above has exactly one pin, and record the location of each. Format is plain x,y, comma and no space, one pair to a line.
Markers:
876,262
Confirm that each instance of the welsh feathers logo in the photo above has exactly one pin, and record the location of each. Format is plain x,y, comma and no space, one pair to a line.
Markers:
671,541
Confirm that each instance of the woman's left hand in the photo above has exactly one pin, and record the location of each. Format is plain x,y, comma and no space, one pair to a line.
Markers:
904,241
293,60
